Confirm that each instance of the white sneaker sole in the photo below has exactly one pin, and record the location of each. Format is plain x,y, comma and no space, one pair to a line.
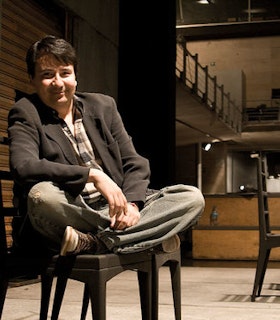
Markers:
69,241
172,244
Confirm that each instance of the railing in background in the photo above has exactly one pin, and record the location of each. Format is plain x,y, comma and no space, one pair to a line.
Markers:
197,78
269,103
262,113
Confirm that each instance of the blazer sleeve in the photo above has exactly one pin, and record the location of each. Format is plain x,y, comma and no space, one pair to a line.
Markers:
35,157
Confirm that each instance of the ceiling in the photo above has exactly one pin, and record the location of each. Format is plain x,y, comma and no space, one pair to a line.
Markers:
191,12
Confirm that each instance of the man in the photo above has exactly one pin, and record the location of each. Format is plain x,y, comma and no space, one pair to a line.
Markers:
78,178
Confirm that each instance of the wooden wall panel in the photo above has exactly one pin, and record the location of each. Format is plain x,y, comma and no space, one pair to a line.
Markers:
236,235
22,23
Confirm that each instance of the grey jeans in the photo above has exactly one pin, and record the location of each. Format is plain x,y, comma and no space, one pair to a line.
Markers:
167,212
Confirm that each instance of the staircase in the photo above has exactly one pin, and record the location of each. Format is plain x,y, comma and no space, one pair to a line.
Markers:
204,111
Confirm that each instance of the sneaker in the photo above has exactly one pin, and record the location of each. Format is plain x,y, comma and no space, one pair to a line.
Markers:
171,245
75,242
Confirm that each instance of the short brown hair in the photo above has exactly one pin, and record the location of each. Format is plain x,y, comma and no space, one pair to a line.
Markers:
62,50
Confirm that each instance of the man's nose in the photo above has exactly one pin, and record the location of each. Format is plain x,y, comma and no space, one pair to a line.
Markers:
57,81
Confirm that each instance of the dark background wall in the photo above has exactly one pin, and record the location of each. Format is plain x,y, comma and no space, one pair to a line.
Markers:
147,51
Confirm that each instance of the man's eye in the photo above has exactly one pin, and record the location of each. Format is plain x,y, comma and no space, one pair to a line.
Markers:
47,75
65,73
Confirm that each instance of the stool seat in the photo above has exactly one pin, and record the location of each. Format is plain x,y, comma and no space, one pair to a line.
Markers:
95,270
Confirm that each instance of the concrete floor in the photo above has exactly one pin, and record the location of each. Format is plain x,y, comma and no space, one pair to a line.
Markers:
216,291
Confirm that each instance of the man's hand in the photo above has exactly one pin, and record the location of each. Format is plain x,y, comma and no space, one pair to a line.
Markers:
122,213
125,220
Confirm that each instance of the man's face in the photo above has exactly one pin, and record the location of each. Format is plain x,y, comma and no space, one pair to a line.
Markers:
54,82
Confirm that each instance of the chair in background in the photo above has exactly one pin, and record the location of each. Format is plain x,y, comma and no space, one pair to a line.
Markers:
267,239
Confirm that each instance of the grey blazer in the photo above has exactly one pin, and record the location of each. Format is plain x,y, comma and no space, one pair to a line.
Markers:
40,151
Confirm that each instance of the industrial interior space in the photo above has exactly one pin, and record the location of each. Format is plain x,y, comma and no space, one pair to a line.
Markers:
197,84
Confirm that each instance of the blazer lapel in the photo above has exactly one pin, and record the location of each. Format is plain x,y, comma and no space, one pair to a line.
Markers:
55,133
96,135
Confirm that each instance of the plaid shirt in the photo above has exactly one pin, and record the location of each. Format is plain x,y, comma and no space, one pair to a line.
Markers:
84,152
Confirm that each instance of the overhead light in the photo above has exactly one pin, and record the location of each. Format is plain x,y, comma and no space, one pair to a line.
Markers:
206,146
242,188
206,1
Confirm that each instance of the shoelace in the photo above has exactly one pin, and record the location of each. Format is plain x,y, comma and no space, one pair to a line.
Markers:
85,242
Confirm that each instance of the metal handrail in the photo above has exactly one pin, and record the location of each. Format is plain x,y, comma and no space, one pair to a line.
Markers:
197,78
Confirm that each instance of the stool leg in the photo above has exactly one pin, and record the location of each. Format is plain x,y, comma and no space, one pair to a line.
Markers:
46,286
85,303
155,290
175,272
3,291
97,294
62,269
174,262
144,281
59,293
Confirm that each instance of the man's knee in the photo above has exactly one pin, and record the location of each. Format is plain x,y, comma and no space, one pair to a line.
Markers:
42,192
198,197
193,196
